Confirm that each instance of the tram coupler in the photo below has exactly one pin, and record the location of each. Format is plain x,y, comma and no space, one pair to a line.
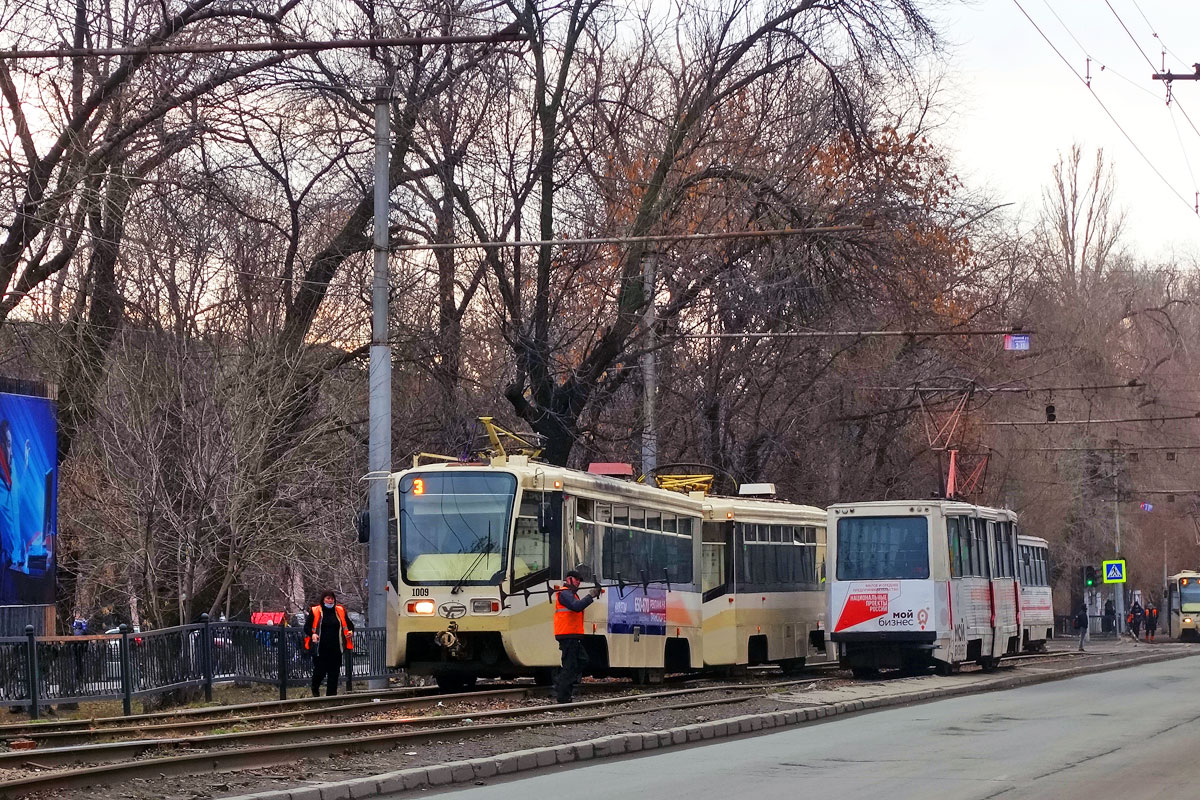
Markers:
450,641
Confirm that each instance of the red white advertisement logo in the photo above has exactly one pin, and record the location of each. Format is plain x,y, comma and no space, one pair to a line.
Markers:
862,607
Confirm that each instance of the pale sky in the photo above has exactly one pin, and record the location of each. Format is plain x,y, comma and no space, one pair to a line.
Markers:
1016,105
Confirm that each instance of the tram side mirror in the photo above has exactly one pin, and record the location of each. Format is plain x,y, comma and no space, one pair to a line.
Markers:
363,523
588,575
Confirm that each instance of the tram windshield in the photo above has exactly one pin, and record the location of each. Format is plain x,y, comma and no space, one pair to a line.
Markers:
1189,592
454,526
882,548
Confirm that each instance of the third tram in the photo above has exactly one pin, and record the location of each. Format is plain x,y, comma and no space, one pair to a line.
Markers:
919,583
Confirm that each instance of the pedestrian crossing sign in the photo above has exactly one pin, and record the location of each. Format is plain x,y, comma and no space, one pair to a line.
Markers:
1114,571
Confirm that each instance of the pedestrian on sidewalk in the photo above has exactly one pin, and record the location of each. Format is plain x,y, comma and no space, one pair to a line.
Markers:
1151,621
1081,624
1137,615
1110,617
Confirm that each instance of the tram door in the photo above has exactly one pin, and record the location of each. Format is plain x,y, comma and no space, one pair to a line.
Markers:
718,578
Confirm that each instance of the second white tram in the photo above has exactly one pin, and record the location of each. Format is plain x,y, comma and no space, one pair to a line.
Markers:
763,583
915,583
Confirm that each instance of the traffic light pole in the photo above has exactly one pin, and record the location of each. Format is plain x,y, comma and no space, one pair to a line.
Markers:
1118,588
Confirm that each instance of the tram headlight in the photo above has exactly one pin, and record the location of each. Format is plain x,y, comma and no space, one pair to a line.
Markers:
482,605
1188,620
423,607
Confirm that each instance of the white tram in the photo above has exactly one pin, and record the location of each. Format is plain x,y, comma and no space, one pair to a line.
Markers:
763,580
916,583
1183,606
480,548
1037,605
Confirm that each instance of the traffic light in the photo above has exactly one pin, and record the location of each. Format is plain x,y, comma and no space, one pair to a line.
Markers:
1089,576
1051,416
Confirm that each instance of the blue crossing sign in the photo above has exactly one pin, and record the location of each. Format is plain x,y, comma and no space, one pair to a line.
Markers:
1114,571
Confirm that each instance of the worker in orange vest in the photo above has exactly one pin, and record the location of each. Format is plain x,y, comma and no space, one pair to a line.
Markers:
328,633
568,630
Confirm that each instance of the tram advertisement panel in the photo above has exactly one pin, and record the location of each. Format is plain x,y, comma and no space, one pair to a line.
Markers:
28,499
644,608
883,605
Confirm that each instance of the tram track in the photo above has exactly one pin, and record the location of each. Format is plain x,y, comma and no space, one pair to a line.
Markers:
190,727
112,762
186,722
11,730
66,754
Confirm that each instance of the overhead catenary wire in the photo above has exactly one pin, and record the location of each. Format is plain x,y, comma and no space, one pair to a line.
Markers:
652,239
1061,422
1134,384
509,34
1120,448
1104,108
818,334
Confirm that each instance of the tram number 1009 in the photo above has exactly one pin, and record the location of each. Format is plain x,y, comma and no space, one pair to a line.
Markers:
416,592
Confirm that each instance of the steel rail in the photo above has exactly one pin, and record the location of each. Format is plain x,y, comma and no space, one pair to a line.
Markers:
12,730
271,755
414,703
132,748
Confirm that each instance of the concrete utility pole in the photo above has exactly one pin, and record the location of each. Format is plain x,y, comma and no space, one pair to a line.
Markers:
649,368
379,456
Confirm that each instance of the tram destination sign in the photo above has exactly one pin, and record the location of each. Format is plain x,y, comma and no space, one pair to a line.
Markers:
1114,571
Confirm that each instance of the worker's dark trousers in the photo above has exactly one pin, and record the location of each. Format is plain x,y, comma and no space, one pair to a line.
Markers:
326,665
574,660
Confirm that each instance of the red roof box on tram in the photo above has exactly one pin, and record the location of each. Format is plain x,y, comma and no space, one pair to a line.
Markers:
611,469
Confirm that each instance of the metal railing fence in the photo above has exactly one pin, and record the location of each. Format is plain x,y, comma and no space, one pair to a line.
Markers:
39,670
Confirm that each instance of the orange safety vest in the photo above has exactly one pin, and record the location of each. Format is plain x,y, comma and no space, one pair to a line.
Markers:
566,621
347,635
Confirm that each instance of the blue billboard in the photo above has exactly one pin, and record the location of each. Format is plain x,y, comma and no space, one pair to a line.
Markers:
28,499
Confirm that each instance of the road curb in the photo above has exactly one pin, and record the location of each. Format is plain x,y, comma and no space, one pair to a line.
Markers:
480,769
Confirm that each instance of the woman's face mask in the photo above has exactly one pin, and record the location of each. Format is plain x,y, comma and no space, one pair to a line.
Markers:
328,604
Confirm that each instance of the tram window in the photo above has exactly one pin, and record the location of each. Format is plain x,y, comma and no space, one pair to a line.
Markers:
637,518
580,547
603,513
876,548
681,565
1008,551
1000,535
798,535
654,520
776,533
685,526
713,570
979,549
967,542
986,537
668,523
953,529
538,537
749,533
620,516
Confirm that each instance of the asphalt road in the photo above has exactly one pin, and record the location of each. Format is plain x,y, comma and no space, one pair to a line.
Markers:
1129,734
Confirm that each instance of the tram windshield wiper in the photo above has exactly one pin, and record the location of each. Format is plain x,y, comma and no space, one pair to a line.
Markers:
487,548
